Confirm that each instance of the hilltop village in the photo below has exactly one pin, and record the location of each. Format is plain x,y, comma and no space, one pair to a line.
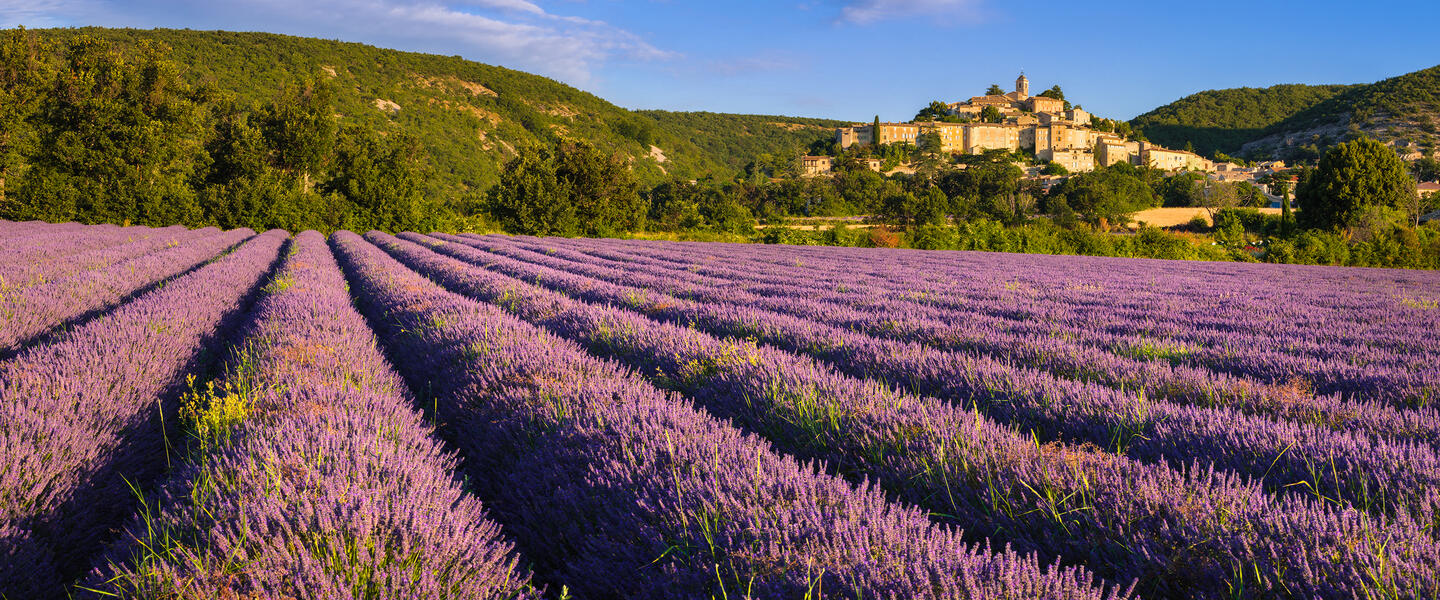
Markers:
1041,126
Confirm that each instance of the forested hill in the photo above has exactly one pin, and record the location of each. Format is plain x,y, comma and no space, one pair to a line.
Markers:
468,116
1301,121
1225,120
1401,111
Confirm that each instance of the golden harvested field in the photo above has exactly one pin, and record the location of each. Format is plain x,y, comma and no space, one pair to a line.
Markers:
1170,217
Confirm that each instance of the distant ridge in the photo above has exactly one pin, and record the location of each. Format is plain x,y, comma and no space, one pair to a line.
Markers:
1299,121
1225,120
471,116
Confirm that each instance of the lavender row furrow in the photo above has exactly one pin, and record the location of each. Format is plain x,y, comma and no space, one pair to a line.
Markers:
311,473
1403,377
1379,475
1126,520
25,266
1015,296
618,489
1183,385
84,417
64,259
1299,317
1296,316
43,234
1110,282
32,312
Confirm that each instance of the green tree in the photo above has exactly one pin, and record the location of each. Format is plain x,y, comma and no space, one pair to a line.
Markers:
1055,168
300,128
1104,197
118,140
1426,169
1053,92
931,152
994,90
988,186
990,114
935,111
23,75
1183,189
723,211
531,198
675,206
242,188
1350,177
603,190
875,133
381,178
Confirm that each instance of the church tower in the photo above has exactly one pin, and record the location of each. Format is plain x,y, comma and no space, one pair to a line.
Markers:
1022,86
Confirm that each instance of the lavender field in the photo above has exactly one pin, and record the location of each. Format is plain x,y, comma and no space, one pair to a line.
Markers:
233,414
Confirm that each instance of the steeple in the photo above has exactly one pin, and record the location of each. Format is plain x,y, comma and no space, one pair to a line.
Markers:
1022,85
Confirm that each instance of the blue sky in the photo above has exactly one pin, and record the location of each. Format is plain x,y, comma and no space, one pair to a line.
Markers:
844,59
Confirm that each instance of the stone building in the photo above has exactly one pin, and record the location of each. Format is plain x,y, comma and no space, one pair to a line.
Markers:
1114,151
811,166
1074,161
1034,123
1172,160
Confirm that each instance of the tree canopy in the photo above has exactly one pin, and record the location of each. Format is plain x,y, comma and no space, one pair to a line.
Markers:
1350,177
934,111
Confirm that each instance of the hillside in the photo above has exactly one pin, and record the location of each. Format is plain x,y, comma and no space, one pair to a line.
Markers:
470,116
1300,121
1400,111
1225,120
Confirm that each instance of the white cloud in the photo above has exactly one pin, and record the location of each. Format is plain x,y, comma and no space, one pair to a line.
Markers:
43,13
510,5
865,12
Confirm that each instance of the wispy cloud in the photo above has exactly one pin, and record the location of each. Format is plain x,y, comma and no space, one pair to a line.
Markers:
44,13
865,12
749,65
515,33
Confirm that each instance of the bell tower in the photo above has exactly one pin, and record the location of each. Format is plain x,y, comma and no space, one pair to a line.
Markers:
1022,86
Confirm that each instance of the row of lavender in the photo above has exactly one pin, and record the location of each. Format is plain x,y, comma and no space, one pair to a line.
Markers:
622,490
1190,532
1380,466
663,500
1156,366
83,414
960,333
1356,335
303,470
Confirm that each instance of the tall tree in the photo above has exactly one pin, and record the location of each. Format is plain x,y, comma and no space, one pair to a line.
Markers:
994,90
243,189
531,198
119,140
875,133
23,76
604,191
299,126
935,111
932,152
990,114
1350,177
382,180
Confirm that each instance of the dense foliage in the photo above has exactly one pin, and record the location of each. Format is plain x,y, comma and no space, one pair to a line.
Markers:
1224,120
1300,122
261,130
1351,178
1412,96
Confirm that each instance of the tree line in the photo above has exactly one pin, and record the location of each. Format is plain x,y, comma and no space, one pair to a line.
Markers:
102,135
